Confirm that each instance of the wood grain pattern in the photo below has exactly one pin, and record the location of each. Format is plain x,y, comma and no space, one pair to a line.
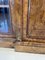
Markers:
18,17
25,26
30,49
37,19
12,11
34,41
6,40
16,10
25,10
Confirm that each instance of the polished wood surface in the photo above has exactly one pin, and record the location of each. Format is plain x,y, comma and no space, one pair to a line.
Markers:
37,19
33,27
6,39
28,22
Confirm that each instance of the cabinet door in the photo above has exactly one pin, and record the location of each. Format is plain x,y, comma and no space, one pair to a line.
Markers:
11,17
7,23
33,27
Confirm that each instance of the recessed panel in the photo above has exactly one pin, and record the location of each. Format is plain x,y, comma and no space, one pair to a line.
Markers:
37,19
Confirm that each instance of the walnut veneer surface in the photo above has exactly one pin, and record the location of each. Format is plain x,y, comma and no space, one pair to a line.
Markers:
33,27
28,26
37,19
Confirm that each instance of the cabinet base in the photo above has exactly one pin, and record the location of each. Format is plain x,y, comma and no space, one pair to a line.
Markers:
29,49
6,44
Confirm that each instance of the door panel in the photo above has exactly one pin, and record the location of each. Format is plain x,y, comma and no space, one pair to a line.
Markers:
6,39
37,19
34,19
33,27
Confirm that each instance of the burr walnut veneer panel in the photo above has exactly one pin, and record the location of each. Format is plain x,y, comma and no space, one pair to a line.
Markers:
33,27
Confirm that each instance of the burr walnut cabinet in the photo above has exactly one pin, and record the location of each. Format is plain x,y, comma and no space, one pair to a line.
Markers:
32,26
22,25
